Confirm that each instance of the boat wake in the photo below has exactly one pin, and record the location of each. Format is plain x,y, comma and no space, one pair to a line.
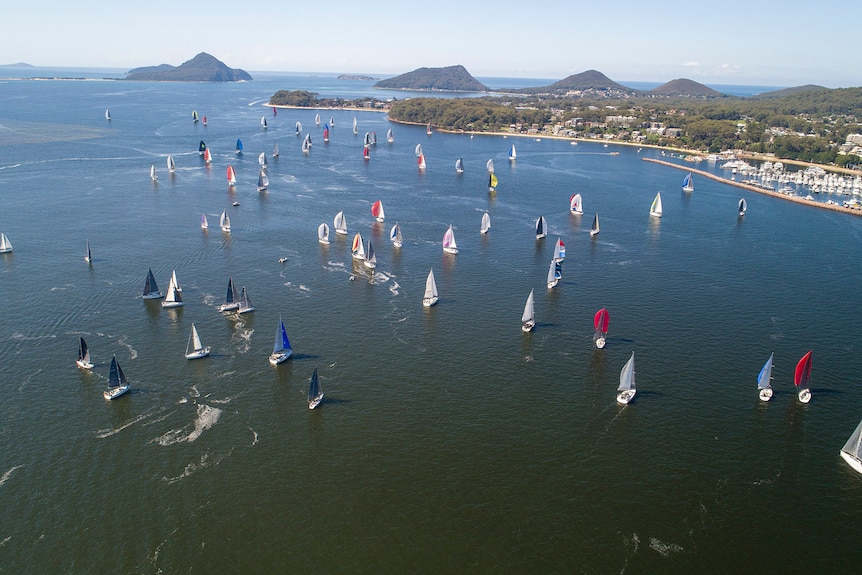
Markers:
253,441
133,353
105,433
242,337
206,418
205,461
6,475
393,289
662,548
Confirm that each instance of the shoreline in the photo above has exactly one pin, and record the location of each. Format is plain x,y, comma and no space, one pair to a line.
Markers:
750,188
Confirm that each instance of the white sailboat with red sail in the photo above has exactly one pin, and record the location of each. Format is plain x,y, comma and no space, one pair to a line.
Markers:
801,378
600,323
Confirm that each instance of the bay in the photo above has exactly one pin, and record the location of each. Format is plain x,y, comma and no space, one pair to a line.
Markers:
448,441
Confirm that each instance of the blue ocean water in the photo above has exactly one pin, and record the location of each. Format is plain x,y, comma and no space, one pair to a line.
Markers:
448,441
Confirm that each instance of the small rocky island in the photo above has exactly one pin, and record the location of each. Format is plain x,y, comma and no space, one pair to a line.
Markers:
448,79
356,77
201,68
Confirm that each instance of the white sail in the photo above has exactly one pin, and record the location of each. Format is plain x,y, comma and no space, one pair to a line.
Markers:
171,165
317,119
323,233
486,223
512,154
559,250
245,305
764,379
576,204
153,175
390,137
852,450
224,222
655,208
261,160
553,280
418,150
541,227
743,206
281,349
595,229
449,245
175,280
194,347
262,181
204,222
340,223
490,165
173,297
5,244
430,297
370,257
83,355
358,249
528,317
88,255
395,236
626,390
459,166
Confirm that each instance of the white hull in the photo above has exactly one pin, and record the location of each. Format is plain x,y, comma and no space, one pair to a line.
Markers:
765,394
450,250
370,264
594,232
600,343
341,232
397,244
172,304
655,214
429,301
852,461
228,307
154,295
281,357
528,326
324,241
553,284
198,353
626,396
115,392
379,219
315,402
804,395
688,188
245,310
84,364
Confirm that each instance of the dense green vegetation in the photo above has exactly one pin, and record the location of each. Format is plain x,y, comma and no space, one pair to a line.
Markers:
452,78
472,114
201,68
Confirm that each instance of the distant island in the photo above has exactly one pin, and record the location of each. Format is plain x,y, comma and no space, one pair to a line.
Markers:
17,66
201,68
448,79
356,77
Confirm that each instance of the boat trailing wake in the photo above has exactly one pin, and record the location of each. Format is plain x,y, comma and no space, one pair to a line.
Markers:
205,461
662,548
206,417
105,433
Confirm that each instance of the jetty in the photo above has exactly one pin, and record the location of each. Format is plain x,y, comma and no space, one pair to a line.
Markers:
759,190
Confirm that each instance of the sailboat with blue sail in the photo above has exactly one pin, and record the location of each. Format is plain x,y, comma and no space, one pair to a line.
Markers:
688,183
281,349
238,146
764,379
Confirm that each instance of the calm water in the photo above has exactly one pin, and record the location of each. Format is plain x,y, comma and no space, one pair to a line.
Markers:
448,441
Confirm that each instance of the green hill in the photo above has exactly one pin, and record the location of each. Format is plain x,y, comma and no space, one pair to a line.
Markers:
685,87
201,68
450,79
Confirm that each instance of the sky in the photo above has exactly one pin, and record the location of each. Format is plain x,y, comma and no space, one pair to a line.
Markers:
752,42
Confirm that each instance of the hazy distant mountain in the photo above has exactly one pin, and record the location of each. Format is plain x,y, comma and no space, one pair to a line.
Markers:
590,82
201,68
790,91
685,87
450,78
18,65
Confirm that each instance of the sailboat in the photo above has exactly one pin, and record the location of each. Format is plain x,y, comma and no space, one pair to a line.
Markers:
449,245
117,382
317,119
275,150
5,244
851,451
764,379
174,298
340,223
430,297
261,160
281,349
151,290
512,154
231,299
194,348
459,166
262,181
541,227
326,133
306,145
108,114
231,177
801,377
195,116
224,222
204,120
554,274
238,146
204,223
486,223
263,122
626,390
559,250
490,165
274,111
357,250
315,394
366,141
421,161
88,256
202,147
366,153
377,211
373,138
492,182
594,231
355,126
688,183
172,167
655,208
600,323
743,206
176,281
576,205
428,129
390,137
370,257
298,128
153,175
323,234
528,320
83,355
418,150
332,121
245,305
395,236
208,156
